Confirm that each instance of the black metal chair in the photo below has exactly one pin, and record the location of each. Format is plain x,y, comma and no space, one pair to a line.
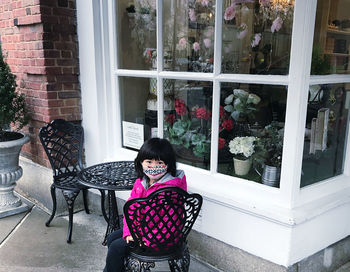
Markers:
63,144
159,225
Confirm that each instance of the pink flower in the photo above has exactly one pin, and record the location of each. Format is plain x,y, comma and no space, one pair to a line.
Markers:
264,3
196,46
205,3
207,43
230,13
182,43
256,40
243,31
202,113
192,15
277,24
221,143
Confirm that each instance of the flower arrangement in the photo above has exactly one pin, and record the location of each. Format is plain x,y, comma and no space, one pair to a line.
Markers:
241,104
242,147
269,146
255,23
189,128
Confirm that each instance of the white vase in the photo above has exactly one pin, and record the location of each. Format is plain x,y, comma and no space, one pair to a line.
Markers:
242,167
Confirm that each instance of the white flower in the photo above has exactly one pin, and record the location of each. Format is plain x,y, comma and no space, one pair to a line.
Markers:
242,145
253,98
238,92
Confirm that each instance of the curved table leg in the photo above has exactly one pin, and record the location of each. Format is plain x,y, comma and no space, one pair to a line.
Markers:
113,216
103,196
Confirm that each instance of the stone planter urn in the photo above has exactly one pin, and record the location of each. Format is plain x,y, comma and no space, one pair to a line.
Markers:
10,172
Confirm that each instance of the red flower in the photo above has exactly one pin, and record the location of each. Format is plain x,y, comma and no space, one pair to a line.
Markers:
170,118
179,103
202,113
227,124
180,107
222,111
221,143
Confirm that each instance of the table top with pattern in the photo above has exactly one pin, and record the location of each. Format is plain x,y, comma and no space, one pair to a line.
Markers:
118,175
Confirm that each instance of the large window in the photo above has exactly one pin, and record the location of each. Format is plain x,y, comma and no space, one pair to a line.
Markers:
174,97
332,38
328,102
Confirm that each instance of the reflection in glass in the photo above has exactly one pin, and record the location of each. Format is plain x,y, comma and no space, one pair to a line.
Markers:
142,110
251,126
137,34
188,125
256,36
326,129
188,35
331,48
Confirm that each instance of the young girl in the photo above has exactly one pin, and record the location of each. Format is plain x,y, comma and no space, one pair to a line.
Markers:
156,168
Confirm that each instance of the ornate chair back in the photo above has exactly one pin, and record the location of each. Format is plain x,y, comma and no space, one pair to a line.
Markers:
160,223
63,144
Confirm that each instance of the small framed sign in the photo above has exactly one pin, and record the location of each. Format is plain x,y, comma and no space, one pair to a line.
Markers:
132,135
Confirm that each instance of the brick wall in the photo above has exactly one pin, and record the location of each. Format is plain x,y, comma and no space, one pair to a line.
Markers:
39,41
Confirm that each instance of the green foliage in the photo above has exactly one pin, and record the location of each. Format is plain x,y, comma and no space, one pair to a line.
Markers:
269,145
185,134
12,104
320,65
242,105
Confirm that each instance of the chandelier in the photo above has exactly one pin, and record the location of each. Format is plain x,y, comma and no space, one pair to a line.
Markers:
282,4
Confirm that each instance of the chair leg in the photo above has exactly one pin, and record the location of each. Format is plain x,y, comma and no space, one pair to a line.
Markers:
86,206
181,265
135,265
54,204
103,197
70,197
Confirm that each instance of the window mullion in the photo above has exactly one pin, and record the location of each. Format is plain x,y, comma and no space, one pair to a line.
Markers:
218,38
160,96
216,89
300,63
215,127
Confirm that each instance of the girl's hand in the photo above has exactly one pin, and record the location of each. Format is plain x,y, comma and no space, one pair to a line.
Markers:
129,239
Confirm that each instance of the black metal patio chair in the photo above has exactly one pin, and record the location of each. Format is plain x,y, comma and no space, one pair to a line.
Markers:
159,225
63,143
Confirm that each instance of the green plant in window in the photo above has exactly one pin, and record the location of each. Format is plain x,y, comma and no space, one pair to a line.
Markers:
186,128
320,64
269,146
241,104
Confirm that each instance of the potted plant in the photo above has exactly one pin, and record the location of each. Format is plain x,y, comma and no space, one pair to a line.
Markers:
12,112
187,129
268,155
242,148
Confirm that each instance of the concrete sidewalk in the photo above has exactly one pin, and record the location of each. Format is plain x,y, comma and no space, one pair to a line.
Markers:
27,245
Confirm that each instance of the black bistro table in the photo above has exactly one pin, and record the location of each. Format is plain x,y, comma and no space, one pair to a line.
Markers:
110,176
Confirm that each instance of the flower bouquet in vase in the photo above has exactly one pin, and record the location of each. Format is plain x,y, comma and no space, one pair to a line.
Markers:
242,148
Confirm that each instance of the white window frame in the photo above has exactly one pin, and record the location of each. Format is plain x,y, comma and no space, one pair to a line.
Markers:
283,204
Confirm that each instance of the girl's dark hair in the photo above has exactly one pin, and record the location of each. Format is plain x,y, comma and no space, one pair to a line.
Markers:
157,149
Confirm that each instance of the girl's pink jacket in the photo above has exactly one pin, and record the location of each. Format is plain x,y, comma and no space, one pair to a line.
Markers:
140,189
